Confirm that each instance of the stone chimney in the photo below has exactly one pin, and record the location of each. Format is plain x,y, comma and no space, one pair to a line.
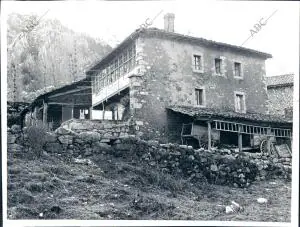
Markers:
169,22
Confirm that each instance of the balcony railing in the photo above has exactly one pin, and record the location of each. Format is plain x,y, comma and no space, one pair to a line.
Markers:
119,66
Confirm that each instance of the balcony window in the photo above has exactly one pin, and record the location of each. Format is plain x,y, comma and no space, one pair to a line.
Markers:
120,65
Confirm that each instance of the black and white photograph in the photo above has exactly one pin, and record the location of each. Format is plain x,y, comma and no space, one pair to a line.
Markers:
150,113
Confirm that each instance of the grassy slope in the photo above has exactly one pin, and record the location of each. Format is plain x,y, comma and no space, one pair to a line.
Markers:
115,188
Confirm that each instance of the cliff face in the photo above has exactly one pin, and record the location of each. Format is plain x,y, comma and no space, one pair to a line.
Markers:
50,55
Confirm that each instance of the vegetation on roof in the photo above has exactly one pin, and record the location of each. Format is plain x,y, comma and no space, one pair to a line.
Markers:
279,80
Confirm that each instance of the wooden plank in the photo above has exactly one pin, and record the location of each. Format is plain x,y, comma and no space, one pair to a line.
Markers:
103,111
209,135
45,111
240,140
269,140
91,111
69,104
83,94
67,92
83,87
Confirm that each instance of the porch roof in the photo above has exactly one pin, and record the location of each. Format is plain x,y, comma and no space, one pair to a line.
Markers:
217,114
72,88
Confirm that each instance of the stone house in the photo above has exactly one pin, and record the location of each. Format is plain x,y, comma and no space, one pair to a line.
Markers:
280,94
176,87
173,88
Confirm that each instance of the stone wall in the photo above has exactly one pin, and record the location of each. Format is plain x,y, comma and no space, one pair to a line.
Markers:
86,138
167,78
280,99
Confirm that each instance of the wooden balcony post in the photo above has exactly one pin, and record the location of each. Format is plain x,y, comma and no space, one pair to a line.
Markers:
268,139
103,111
209,135
45,111
91,111
240,139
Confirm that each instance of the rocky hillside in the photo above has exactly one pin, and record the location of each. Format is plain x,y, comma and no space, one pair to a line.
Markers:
47,56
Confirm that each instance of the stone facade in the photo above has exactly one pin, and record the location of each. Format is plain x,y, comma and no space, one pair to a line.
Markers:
164,73
281,100
167,78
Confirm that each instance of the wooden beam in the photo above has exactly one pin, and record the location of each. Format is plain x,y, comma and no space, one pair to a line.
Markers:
85,87
45,111
67,92
69,104
35,111
209,135
91,111
103,111
240,139
80,94
269,140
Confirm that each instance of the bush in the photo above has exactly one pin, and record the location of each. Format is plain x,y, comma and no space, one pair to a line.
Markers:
164,180
36,138
13,119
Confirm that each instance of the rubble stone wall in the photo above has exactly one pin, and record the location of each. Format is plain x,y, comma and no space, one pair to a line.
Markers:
167,78
227,167
280,99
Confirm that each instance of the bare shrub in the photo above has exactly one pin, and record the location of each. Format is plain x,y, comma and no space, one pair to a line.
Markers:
36,138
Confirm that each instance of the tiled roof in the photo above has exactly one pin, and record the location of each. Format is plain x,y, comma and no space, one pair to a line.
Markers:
220,114
280,80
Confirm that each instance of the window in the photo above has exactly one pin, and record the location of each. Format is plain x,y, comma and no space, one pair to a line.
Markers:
120,65
218,63
240,105
199,95
197,62
237,69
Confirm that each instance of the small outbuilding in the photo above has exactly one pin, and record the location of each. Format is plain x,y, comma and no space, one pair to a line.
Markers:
59,105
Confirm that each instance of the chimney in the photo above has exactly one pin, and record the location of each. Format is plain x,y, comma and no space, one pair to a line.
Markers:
169,22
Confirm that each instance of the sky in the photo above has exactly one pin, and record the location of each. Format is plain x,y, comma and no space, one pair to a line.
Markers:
224,21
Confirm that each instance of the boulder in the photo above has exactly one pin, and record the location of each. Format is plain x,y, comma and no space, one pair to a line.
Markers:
88,152
53,147
105,141
89,137
123,135
153,143
11,138
191,158
183,146
108,126
117,141
16,148
63,131
98,146
214,168
108,135
262,200
229,210
75,126
78,141
15,129
66,139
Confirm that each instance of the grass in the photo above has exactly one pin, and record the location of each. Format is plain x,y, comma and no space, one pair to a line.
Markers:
116,188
